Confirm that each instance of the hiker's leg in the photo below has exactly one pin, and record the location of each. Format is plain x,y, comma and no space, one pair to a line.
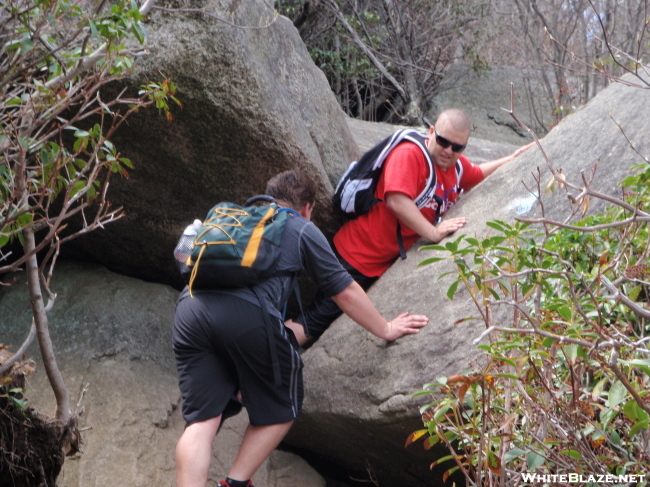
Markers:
256,446
298,331
194,452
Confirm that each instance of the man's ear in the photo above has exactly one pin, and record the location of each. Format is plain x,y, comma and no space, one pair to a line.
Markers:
306,210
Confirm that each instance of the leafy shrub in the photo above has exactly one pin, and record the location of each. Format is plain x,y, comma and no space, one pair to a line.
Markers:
565,377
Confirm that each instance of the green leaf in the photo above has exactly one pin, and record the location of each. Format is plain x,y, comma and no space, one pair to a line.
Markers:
512,454
548,342
495,225
78,186
616,394
635,412
572,453
126,162
440,413
26,45
508,376
630,410
636,362
452,289
633,293
571,352
641,425
138,32
608,416
565,312
24,219
493,292
598,388
533,460
430,260
452,247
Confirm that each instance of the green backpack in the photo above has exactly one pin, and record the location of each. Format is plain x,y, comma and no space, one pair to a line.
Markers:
234,246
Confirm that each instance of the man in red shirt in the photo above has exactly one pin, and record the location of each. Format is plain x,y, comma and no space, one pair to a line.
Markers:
367,246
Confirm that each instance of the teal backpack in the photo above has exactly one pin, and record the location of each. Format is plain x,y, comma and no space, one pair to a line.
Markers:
234,246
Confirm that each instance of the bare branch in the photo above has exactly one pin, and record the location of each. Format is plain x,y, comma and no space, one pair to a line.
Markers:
6,367
359,42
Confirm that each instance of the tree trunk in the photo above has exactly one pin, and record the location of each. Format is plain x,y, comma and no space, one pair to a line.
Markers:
43,330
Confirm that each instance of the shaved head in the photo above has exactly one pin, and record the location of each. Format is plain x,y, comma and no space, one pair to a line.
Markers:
457,118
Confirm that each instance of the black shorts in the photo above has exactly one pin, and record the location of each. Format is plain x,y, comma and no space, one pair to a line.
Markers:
221,343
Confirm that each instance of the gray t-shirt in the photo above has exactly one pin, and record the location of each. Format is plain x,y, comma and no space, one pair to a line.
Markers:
303,246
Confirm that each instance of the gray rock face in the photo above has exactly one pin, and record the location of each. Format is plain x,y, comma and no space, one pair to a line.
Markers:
254,104
112,334
358,409
484,95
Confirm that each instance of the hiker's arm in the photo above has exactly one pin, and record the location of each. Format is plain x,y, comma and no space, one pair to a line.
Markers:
355,303
489,167
409,215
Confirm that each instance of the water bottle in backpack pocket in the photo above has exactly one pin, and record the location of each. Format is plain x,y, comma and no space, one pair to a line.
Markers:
184,247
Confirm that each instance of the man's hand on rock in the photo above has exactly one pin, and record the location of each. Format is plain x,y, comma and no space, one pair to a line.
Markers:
447,227
405,324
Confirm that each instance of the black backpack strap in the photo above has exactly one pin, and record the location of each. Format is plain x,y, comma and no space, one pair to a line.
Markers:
296,291
259,197
275,363
400,241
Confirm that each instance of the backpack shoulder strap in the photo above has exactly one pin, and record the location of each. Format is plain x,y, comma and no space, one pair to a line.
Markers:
430,186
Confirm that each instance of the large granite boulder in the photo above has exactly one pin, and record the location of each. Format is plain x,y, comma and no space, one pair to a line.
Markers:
358,408
484,95
112,335
254,104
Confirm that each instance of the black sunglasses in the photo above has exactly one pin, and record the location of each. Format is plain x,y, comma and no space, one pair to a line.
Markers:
444,143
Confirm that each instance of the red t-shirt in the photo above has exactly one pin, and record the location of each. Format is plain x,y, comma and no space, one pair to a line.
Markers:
369,242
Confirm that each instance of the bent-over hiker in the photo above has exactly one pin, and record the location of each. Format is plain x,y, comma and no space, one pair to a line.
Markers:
367,245
222,343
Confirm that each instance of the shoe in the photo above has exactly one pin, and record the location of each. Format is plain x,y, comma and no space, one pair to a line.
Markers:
223,483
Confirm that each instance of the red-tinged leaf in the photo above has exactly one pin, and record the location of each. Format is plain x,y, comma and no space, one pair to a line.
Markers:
415,436
604,257
597,442
461,391
585,205
427,415
444,459
445,476
507,421
430,442
463,320
493,463
458,378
